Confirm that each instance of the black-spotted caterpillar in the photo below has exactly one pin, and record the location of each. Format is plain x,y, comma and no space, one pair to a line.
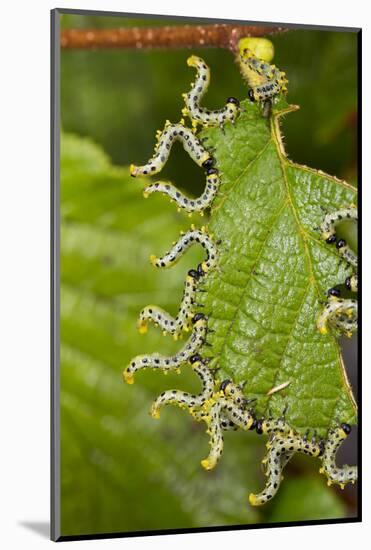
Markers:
222,404
341,313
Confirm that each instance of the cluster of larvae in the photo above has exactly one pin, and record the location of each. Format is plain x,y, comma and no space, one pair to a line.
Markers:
221,404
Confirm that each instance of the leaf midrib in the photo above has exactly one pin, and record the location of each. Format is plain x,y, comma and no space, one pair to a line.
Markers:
250,277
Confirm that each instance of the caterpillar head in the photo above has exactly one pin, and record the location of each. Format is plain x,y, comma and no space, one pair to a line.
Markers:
346,428
195,359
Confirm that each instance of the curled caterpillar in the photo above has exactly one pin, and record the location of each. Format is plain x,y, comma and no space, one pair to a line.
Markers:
345,474
189,238
184,399
341,313
170,134
328,232
332,219
193,98
168,323
191,144
162,362
198,204
266,81
281,448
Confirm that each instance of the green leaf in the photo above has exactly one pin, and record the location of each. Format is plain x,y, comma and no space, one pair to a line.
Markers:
274,270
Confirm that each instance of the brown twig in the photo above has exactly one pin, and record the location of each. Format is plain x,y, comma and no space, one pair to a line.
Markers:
187,36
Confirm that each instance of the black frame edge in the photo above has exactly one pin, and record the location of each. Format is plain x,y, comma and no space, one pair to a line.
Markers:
160,532
55,529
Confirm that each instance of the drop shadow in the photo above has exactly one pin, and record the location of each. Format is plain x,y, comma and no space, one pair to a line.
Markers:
42,528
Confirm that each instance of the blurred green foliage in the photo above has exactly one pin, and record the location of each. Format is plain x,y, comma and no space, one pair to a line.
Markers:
121,470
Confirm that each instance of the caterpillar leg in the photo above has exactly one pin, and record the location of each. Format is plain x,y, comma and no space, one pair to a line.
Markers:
168,323
170,134
198,204
201,115
190,238
162,362
341,313
280,451
345,474
184,399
